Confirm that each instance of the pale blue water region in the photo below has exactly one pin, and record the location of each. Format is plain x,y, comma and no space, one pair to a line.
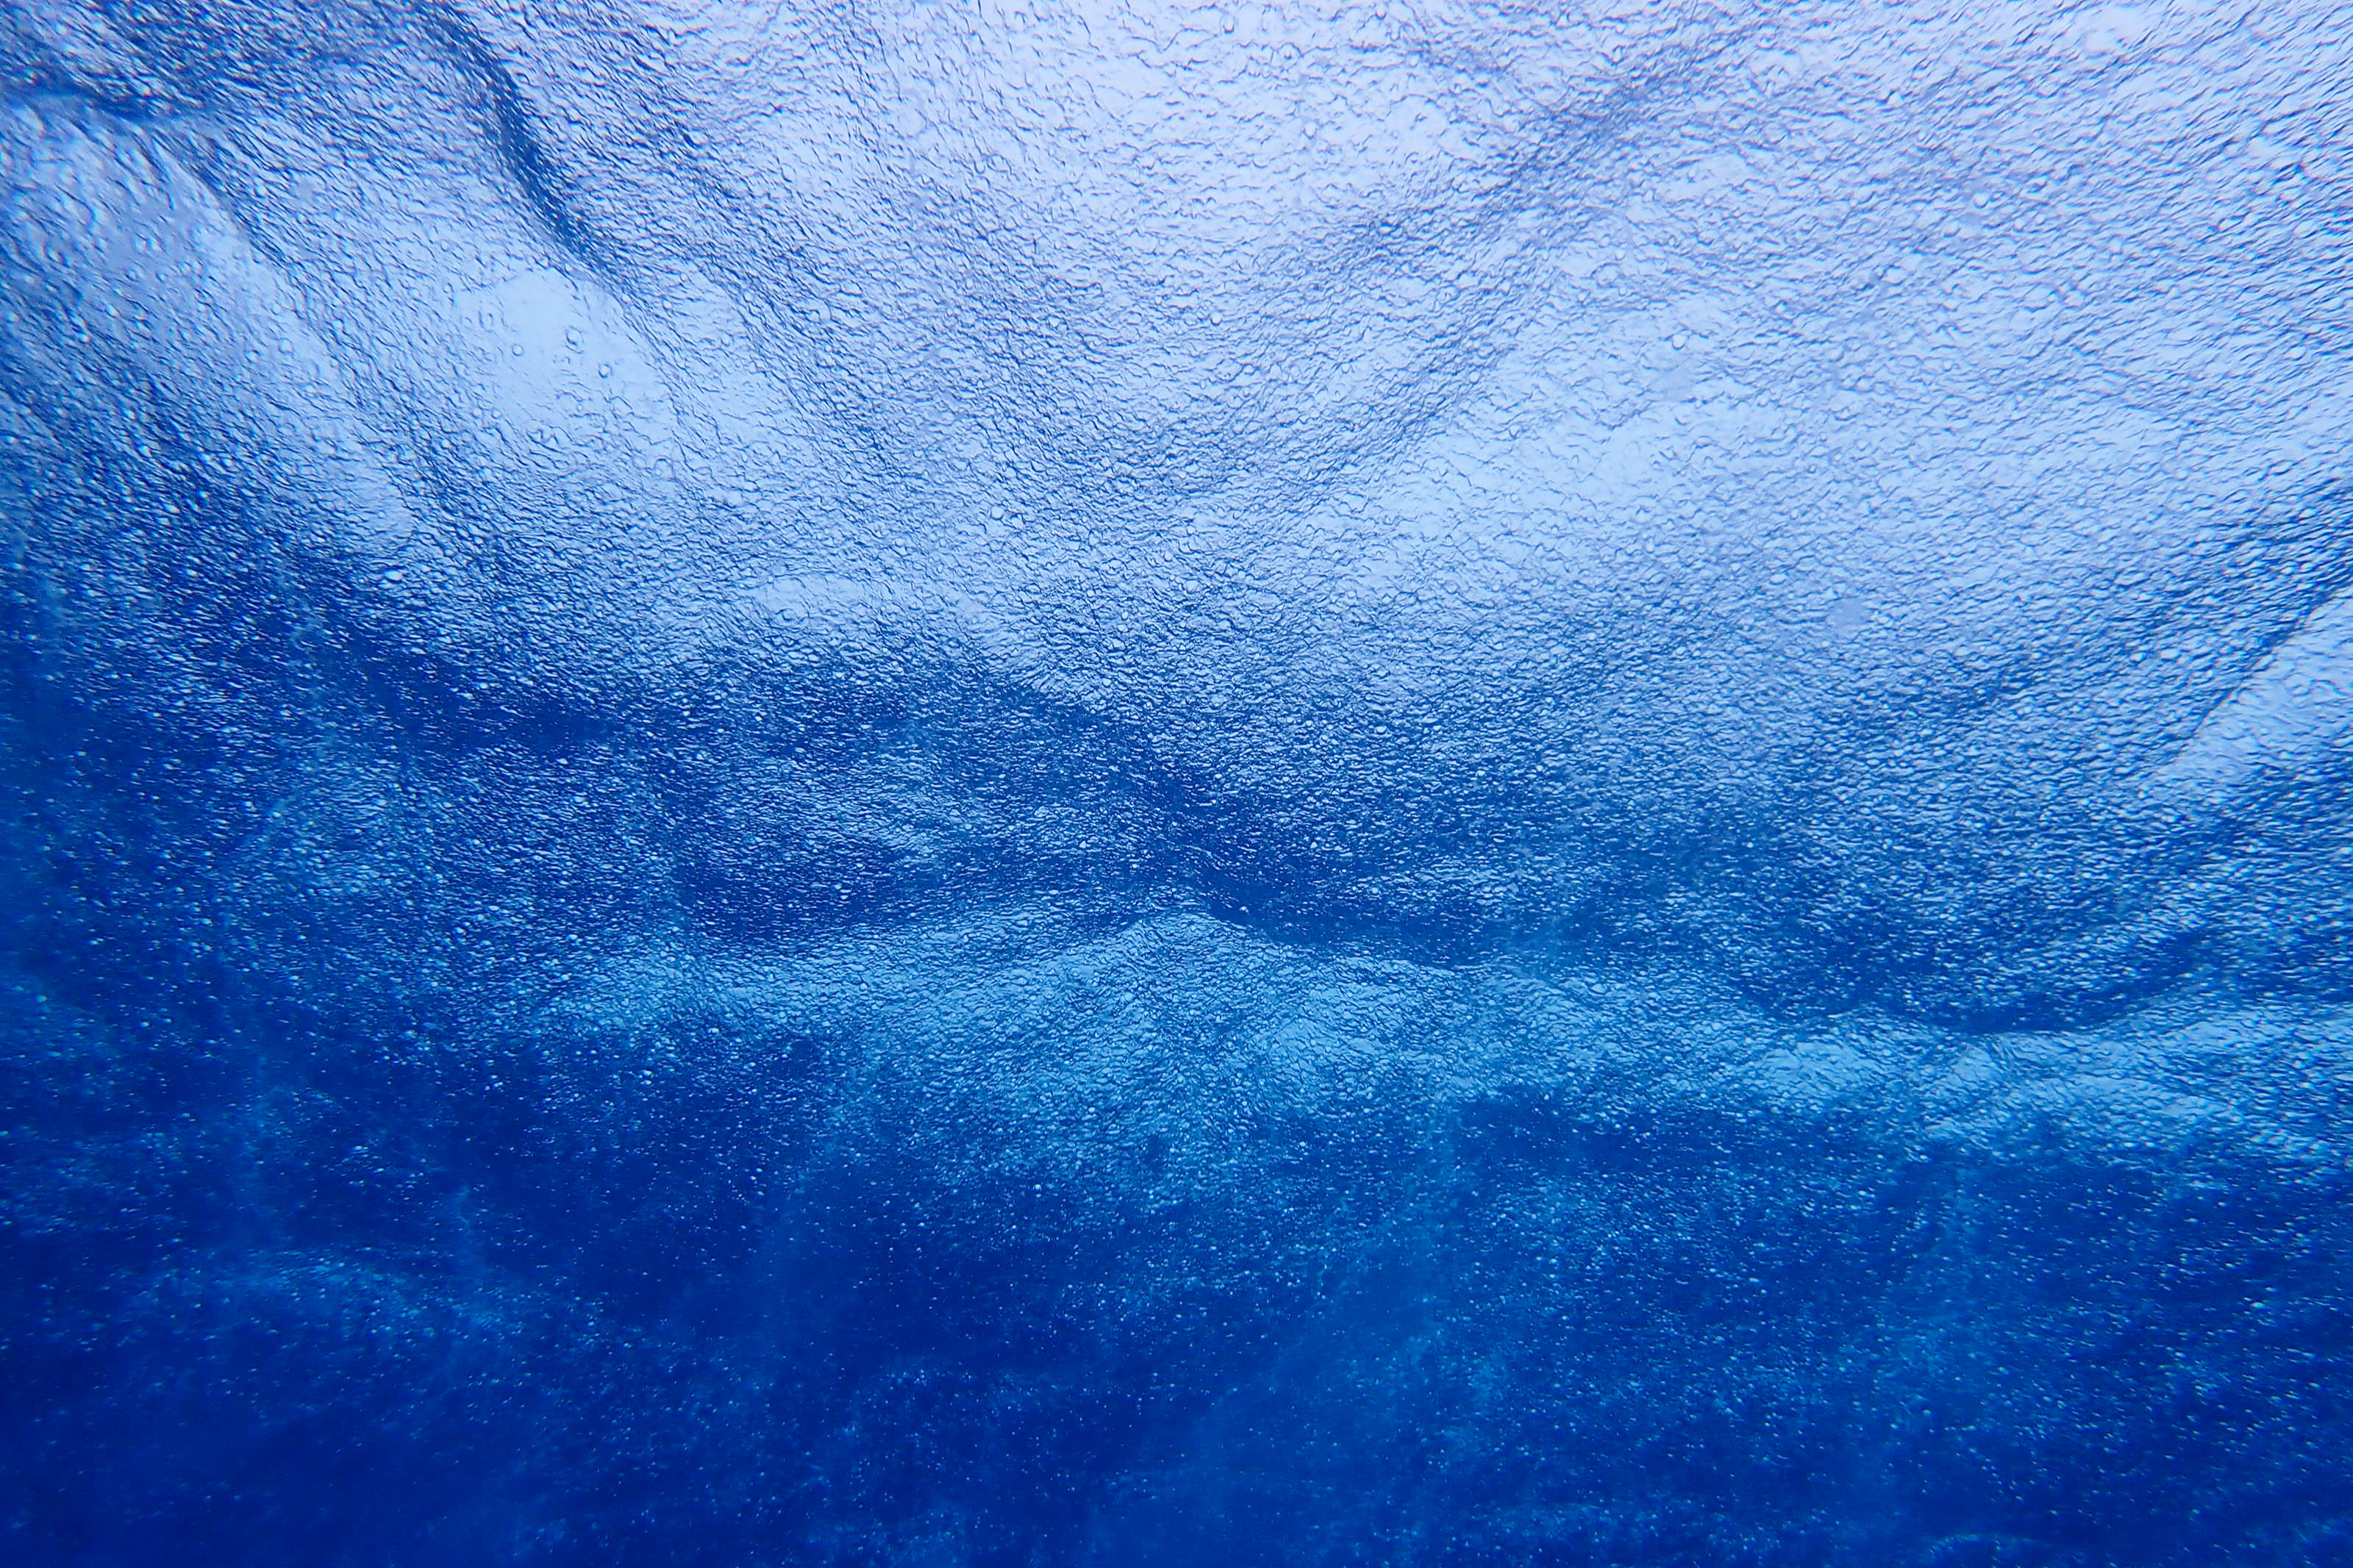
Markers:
1392,783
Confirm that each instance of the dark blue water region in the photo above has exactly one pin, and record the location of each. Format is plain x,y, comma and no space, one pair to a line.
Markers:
1408,784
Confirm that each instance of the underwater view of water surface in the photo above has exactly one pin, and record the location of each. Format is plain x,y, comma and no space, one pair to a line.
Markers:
1016,782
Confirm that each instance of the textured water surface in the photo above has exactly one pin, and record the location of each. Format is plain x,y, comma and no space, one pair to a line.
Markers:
1396,783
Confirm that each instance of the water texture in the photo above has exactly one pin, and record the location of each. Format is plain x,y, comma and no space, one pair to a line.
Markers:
1401,782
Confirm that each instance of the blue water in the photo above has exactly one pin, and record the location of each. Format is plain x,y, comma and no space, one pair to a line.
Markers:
1415,783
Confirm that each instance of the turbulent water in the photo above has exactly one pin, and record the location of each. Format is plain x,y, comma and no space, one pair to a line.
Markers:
1396,783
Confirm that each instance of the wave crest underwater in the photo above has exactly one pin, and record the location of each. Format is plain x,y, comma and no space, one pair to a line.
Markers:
1426,784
